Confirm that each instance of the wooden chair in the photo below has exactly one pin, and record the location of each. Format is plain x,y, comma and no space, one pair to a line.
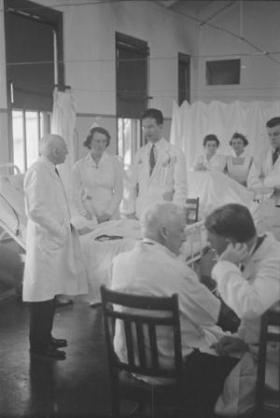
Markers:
192,208
140,331
269,332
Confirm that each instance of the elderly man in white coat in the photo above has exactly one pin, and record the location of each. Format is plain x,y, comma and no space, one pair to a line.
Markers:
53,260
247,275
152,268
159,168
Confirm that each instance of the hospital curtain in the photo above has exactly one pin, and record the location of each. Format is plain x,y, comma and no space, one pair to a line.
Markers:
191,122
63,123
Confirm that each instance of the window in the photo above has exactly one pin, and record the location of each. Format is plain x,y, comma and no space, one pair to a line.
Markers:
34,62
184,74
28,127
223,72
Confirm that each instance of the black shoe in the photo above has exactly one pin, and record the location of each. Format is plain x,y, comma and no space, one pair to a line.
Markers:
58,342
49,352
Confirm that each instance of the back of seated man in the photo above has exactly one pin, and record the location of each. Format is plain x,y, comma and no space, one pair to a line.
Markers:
152,268
247,273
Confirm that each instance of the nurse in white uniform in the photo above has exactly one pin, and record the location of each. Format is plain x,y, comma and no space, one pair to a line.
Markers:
210,160
97,180
238,166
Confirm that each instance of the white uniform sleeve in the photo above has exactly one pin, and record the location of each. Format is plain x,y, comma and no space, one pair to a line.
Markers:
248,299
180,179
118,187
133,183
254,180
37,200
272,180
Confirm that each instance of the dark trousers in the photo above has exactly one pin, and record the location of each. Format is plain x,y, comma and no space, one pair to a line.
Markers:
41,323
204,376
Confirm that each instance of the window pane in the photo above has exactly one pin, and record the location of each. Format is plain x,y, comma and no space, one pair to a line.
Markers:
18,139
32,137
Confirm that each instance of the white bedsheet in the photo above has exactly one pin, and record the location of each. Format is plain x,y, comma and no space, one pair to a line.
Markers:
215,189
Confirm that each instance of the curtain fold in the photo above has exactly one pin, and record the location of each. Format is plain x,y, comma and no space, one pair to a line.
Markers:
63,123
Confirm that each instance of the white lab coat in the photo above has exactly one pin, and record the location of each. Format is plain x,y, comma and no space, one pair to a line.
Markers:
168,180
151,269
250,294
53,259
265,168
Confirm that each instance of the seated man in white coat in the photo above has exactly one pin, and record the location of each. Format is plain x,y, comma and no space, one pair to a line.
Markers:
152,268
53,260
159,168
247,273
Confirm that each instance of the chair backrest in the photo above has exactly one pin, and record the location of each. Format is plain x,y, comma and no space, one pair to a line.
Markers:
269,332
192,209
141,318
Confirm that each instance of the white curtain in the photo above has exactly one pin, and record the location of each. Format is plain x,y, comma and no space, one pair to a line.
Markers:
63,123
191,122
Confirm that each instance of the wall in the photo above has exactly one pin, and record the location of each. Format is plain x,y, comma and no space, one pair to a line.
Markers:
89,55
260,77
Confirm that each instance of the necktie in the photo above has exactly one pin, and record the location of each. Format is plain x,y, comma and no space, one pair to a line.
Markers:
275,155
56,170
152,159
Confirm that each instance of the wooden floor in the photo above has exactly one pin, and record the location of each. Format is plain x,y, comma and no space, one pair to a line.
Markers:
76,387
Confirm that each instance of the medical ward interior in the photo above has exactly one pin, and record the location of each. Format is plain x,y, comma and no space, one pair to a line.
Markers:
210,66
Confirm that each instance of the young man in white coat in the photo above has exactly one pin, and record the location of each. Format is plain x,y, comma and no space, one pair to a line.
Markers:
53,260
152,268
159,168
247,275
266,173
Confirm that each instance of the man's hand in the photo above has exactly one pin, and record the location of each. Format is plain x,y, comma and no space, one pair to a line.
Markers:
234,253
228,345
103,217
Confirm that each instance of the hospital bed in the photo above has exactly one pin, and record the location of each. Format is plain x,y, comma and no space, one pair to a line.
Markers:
99,246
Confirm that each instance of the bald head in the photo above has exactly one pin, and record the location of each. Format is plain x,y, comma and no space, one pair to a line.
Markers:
54,148
164,222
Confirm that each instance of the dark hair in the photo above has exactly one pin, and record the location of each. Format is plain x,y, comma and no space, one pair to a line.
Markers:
153,114
211,137
96,129
237,135
231,221
271,123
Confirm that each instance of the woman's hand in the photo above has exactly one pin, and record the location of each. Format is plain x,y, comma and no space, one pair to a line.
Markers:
228,345
200,167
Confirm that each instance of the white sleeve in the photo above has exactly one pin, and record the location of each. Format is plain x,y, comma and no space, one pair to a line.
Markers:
253,179
248,299
180,179
133,182
198,303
